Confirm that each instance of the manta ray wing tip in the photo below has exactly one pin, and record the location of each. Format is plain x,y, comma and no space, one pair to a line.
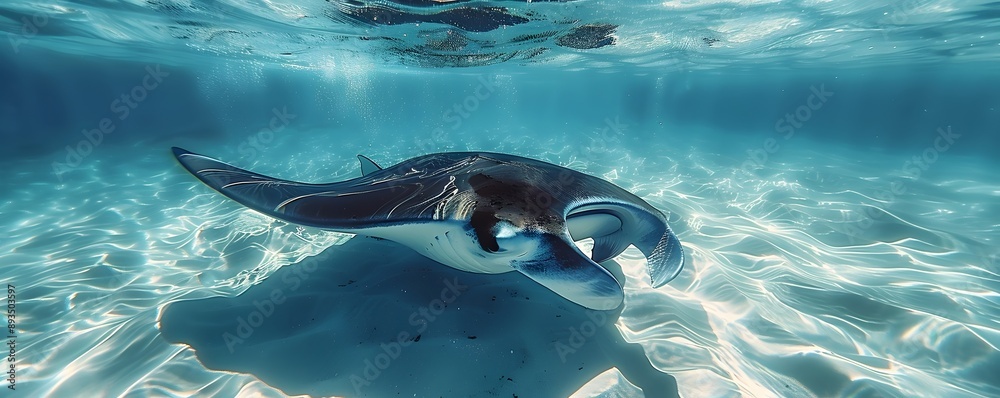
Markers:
178,151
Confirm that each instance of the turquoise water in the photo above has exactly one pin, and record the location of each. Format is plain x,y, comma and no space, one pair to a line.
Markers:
830,168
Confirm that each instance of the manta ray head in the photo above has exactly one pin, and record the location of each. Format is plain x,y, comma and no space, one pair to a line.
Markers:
511,228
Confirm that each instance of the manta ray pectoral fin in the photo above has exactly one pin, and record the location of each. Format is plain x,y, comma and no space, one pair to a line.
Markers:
368,166
614,226
562,268
259,192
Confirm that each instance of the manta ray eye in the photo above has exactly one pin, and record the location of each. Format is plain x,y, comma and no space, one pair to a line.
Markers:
504,229
488,228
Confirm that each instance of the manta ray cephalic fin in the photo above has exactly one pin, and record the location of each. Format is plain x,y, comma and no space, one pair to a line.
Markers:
616,225
604,228
562,268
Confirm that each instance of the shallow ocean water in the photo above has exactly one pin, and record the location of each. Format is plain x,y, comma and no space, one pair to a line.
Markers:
849,249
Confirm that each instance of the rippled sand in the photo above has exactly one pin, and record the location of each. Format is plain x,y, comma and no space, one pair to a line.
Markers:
800,281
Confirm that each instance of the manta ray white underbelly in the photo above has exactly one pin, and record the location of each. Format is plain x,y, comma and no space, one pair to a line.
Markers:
475,211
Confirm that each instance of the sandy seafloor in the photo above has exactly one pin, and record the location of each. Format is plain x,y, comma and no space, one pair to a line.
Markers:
791,286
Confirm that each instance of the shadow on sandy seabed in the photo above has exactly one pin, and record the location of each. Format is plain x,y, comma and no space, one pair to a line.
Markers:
372,318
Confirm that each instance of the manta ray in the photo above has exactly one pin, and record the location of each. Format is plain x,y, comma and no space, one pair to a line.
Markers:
475,211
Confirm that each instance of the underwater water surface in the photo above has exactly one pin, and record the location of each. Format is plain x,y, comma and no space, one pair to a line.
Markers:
829,167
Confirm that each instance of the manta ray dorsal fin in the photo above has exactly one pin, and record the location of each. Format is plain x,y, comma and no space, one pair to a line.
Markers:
367,165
